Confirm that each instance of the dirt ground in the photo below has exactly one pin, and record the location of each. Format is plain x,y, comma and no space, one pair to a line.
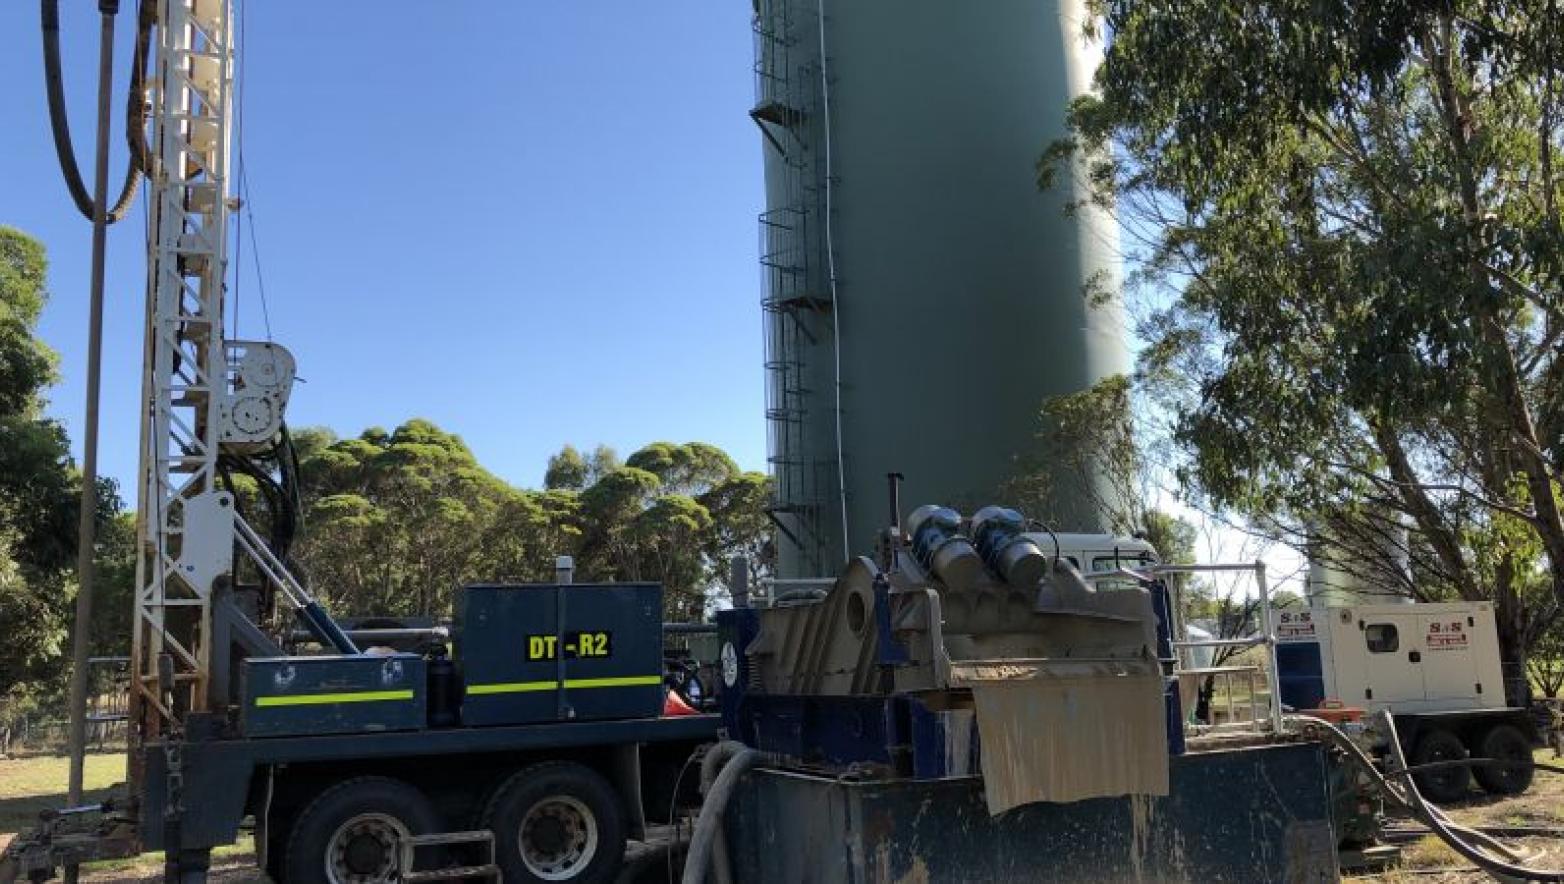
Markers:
1429,861
236,868
28,785
31,784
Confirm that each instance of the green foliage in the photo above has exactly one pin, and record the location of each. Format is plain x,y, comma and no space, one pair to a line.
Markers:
395,522
26,364
567,470
38,492
37,506
570,470
1353,252
1172,537
114,584
1086,449
1545,664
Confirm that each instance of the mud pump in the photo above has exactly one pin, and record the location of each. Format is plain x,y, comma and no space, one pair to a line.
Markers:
982,701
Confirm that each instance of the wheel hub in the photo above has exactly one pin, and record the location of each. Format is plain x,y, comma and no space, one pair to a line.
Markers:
550,836
365,854
558,838
1511,774
363,850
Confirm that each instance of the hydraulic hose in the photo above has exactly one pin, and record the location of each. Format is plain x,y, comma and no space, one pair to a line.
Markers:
740,759
59,122
1404,794
712,763
1385,784
711,766
1436,820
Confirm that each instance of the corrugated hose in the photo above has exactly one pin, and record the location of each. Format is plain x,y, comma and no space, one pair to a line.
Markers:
59,122
1486,852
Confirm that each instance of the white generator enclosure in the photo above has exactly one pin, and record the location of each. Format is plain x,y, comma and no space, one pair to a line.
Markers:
1404,658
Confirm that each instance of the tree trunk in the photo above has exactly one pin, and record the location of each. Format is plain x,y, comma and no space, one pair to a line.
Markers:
1517,678
1510,620
1203,699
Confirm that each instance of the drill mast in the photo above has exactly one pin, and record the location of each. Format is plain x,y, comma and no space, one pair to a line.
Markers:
204,397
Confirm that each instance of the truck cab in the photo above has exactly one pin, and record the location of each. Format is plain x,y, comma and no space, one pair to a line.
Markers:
1096,552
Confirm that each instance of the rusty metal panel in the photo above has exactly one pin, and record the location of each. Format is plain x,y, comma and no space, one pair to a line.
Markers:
1250,815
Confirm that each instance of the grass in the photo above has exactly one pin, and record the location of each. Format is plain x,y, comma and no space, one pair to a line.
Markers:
1429,861
29,785
1429,852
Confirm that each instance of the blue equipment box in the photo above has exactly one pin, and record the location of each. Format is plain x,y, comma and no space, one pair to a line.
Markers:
296,696
547,652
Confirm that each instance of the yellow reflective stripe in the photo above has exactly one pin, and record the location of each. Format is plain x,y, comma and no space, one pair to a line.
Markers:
322,699
627,681
512,687
522,687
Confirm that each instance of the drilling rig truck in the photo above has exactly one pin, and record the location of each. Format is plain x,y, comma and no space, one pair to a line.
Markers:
531,745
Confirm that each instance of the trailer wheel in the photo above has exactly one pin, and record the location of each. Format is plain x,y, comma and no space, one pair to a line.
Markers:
1507,743
1449,784
557,821
349,834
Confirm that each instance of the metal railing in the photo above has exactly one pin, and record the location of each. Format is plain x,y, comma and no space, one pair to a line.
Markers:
1266,636
1227,675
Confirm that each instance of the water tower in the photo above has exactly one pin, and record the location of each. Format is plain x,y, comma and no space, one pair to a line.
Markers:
922,297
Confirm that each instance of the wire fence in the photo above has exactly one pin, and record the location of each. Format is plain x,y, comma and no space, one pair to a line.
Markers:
46,732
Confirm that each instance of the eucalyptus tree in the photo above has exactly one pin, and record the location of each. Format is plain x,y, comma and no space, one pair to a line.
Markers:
1347,216
38,489
395,521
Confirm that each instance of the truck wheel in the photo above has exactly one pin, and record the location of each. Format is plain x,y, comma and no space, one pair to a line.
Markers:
557,821
1449,784
349,834
1507,743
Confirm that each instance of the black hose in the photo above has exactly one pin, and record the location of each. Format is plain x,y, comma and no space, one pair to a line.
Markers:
708,826
1434,819
59,122
1392,791
711,766
288,482
1511,764
282,504
136,96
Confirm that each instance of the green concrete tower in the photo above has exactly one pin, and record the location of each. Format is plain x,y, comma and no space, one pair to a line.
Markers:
922,297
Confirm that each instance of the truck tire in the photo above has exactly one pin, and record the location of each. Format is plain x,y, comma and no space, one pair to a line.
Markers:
557,821
1507,743
1449,784
349,832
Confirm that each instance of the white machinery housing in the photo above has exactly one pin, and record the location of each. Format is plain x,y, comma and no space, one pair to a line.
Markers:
1434,668
1397,657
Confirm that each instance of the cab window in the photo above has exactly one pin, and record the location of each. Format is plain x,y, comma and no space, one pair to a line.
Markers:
1122,560
1108,563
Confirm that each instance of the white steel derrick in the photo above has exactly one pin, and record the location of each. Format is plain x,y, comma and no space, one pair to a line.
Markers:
185,522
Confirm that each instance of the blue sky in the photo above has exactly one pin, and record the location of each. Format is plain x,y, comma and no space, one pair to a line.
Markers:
531,222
